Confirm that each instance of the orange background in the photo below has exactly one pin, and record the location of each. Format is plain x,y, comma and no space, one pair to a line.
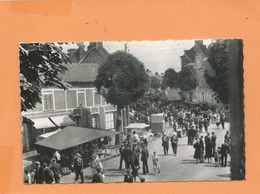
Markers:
104,20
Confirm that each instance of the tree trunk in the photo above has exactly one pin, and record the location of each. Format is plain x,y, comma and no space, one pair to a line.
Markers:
236,97
118,125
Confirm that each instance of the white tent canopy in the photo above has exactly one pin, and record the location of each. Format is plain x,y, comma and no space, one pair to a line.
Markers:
137,126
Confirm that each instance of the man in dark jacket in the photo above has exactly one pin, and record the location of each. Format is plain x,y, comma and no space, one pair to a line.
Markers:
122,156
214,141
144,159
78,167
98,178
224,152
174,141
38,177
56,169
165,144
47,174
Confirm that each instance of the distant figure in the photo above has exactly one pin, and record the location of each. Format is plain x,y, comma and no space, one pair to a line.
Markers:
47,174
56,169
156,163
222,119
128,178
214,141
38,177
122,156
227,137
136,136
98,177
224,153
135,168
165,144
174,142
202,149
217,120
197,152
208,145
78,167
144,159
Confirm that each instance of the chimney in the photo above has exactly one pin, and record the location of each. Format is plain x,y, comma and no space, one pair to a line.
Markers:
96,45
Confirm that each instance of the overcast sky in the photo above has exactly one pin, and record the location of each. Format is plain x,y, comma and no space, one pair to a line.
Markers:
155,55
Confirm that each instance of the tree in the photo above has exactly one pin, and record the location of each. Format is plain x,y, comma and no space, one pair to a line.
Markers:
40,65
121,80
218,53
170,78
187,79
155,83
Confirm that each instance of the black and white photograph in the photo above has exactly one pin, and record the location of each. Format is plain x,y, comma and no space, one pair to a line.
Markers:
132,111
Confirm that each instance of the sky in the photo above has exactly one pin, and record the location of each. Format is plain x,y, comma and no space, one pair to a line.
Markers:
157,56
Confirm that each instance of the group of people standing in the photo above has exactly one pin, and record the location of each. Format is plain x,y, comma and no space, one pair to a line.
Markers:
208,149
133,152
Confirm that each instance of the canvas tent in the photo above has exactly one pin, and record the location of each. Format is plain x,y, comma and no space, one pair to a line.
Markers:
72,136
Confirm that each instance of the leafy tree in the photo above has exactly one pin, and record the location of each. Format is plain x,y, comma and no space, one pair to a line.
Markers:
187,79
170,78
218,53
121,80
155,83
40,65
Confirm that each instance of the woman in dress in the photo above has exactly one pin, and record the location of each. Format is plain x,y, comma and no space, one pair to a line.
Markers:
197,153
96,163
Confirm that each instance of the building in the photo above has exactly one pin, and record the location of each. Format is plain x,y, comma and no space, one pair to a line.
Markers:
80,105
195,60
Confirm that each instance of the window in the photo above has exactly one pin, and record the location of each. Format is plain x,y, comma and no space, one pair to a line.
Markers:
48,99
109,120
81,98
97,98
95,121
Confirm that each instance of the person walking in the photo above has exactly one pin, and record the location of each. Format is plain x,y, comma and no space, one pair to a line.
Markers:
208,147
122,156
197,152
222,120
165,144
224,153
202,149
214,141
78,167
56,169
174,142
156,163
144,159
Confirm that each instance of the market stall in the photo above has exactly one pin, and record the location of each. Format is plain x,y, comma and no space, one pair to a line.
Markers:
76,139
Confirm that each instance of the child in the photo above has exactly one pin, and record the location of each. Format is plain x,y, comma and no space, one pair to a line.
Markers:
217,156
156,164
135,169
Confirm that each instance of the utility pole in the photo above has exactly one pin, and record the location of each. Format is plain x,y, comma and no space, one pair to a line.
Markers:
125,47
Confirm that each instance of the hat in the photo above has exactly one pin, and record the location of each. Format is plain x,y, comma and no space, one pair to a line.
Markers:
37,162
44,164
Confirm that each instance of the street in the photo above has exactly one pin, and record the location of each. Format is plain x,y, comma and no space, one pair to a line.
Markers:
182,167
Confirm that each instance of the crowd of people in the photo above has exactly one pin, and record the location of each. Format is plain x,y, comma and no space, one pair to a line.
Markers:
52,165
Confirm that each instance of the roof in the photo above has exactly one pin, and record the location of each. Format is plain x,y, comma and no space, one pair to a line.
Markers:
72,136
173,95
81,72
